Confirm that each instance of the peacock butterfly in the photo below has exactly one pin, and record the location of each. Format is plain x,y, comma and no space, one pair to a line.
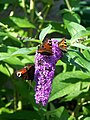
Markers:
26,73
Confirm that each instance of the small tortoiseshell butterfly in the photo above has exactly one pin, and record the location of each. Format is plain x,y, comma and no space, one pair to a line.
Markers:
46,47
62,45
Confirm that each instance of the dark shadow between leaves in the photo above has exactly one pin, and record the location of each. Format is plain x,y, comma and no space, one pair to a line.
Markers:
75,80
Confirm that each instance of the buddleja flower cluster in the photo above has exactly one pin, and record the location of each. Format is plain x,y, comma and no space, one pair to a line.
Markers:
44,72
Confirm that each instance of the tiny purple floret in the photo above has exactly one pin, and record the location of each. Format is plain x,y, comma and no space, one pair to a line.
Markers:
44,72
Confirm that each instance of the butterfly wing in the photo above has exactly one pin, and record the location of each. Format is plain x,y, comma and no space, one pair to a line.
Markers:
62,45
46,47
30,71
26,73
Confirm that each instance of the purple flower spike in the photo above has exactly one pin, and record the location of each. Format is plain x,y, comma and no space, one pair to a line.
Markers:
44,73
57,53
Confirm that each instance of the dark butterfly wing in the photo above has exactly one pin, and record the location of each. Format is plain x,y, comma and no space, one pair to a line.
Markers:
62,45
46,47
26,73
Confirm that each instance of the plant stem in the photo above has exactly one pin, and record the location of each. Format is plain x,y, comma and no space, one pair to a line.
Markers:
68,5
32,4
45,14
79,103
44,17
15,100
40,13
41,111
14,92
78,107
24,8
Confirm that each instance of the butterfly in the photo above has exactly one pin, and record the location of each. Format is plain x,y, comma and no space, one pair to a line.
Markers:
26,73
62,45
46,47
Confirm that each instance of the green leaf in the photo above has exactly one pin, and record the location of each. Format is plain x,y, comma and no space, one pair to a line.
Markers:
5,110
22,23
57,27
87,118
28,59
86,53
87,42
3,25
4,56
7,49
86,110
31,40
4,69
3,33
8,58
80,34
58,114
66,83
71,17
13,61
24,51
78,59
11,49
74,3
44,32
11,35
79,45
74,28
5,73
76,91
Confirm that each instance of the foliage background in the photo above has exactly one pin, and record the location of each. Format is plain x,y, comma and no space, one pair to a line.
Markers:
23,26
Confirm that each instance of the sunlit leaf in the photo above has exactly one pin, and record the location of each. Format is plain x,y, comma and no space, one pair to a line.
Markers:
86,53
87,118
44,32
66,83
23,23
31,40
13,61
78,45
4,56
24,51
77,58
4,69
80,34
74,28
